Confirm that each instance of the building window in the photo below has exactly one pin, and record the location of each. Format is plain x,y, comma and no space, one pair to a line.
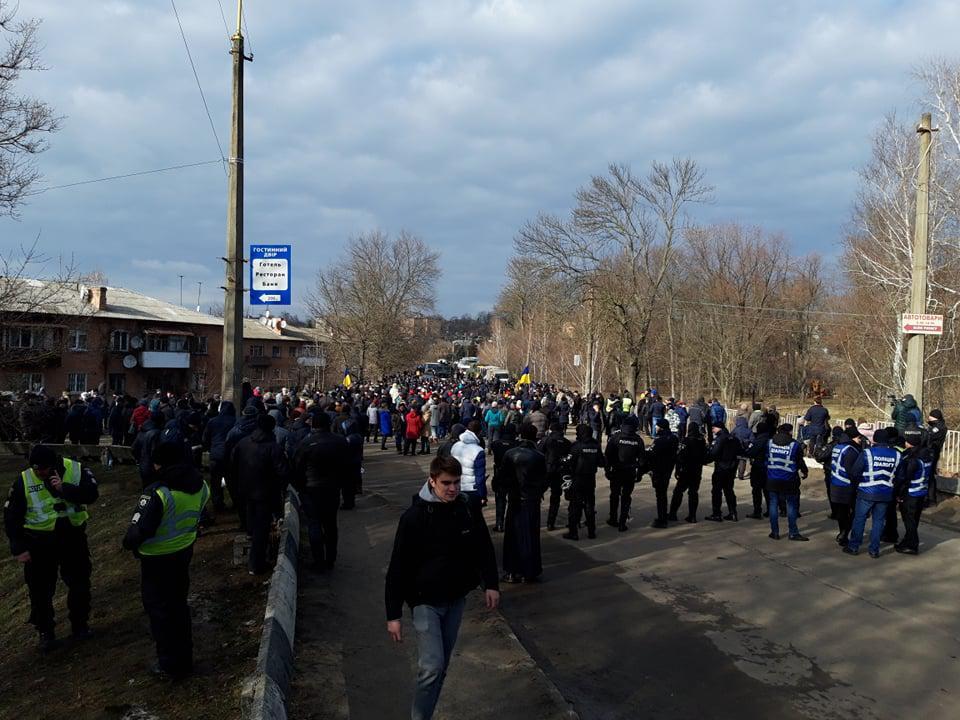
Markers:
277,374
31,382
78,340
119,341
201,346
256,373
76,382
256,351
292,351
117,382
276,351
199,383
19,337
167,343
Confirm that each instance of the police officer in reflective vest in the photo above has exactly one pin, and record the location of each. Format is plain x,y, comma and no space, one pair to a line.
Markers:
912,485
872,474
625,464
161,534
842,492
45,517
785,466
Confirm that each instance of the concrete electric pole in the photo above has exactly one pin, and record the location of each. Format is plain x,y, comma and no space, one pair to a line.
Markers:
913,382
232,378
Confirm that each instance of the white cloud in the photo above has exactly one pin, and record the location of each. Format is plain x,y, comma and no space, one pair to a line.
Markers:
457,119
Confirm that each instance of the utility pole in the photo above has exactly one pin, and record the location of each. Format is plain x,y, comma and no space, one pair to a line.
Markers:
913,382
232,377
199,287
181,291
588,379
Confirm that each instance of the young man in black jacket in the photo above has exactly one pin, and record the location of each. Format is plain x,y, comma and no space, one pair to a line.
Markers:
441,552
661,458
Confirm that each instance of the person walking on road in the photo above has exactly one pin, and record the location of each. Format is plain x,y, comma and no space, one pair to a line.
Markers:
585,458
842,492
161,534
555,448
524,479
320,468
45,518
441,552
785,467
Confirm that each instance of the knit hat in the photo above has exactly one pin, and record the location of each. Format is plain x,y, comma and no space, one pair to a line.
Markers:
42,456
663,424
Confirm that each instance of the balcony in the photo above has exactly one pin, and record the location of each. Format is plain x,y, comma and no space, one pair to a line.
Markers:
304,361
165,360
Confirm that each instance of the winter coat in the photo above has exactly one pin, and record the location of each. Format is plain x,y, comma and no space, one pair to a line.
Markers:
414,425
441,552
217,429
523,473
905,413
473,463
260,466
322,461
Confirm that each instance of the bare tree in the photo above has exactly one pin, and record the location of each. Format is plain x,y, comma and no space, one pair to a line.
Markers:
619,242
372,297
25,122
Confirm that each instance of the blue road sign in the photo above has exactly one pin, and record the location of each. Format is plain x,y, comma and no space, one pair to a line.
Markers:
270,274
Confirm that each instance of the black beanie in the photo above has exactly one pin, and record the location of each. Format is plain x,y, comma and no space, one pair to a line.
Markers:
42,456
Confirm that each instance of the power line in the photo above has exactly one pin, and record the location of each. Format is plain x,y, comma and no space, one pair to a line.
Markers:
701,303
224,18
199,86
246,29
40,191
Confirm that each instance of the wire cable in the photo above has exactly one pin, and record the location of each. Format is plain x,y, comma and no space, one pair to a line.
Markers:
199,86
223,17
246,30
40,191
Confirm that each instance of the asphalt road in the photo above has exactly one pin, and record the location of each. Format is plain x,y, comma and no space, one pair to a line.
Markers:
700,620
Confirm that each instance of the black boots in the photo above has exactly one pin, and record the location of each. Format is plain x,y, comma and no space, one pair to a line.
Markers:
48,641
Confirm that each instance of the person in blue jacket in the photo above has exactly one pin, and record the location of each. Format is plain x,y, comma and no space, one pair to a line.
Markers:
872,475
386,425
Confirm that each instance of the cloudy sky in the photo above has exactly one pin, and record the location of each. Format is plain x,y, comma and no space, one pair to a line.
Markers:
455,119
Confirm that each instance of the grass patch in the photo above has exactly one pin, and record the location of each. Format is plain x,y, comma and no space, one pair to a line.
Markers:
106,677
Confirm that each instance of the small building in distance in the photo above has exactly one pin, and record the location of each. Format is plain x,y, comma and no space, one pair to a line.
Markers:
72,338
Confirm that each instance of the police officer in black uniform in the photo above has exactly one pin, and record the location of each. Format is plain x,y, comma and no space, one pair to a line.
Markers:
661,458
725,455
585,457
45,517
691,456
162,533
911,487
555,447
625,463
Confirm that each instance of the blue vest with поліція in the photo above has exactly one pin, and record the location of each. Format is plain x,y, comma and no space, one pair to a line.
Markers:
780,461
880,465
921,479
838,473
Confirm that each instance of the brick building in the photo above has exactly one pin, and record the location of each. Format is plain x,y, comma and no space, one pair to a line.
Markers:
118,340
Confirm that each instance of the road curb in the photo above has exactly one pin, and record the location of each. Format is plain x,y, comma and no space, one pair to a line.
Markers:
264,693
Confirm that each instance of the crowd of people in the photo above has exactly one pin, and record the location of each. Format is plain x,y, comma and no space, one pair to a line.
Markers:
515,446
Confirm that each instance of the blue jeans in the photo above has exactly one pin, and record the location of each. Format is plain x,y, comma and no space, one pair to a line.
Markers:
877,509
793,509
437,627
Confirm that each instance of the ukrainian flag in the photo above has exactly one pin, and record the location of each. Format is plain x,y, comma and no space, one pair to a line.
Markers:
347,381
524,377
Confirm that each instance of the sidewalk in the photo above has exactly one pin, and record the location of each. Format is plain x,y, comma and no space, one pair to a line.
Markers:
346,665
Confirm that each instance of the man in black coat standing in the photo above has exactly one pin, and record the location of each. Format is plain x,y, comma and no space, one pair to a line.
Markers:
442,551
555,447
661,458
523,476
625,463
321,467
261,469
214,441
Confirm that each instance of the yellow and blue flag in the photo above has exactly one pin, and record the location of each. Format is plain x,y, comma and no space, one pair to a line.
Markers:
524,377
347,380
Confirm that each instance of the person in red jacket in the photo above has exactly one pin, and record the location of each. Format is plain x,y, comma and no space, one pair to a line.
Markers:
414,428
